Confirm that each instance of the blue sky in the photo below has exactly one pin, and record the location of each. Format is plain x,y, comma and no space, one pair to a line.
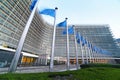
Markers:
86,12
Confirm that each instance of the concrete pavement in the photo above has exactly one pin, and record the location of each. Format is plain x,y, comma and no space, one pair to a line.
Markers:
38,69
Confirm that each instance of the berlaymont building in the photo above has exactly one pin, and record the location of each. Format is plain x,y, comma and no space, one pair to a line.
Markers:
37,46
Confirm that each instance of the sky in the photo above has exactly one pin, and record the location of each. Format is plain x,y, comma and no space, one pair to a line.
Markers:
85,12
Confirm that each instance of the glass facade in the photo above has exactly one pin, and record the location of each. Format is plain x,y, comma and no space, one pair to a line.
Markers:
13,18
98,35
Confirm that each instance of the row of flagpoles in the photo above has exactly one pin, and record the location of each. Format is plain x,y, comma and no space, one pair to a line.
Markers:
67,30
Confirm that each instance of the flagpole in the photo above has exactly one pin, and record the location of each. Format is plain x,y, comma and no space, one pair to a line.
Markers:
86,54
89,54
92,54
77,63
86,51
97,56
68,60
53,44
83,61
14,62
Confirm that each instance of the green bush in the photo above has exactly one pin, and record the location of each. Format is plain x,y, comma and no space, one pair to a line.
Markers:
100,65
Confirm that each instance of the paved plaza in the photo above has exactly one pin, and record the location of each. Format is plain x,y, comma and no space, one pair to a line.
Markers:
37,69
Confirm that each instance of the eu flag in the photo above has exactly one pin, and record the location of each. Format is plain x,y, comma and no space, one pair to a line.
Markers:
93,49
89,45
78,38
84,42
50,12
96,49
78,41
62,24
77,35
70,30
33,4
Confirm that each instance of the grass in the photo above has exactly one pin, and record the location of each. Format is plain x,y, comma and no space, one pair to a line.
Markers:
90,73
